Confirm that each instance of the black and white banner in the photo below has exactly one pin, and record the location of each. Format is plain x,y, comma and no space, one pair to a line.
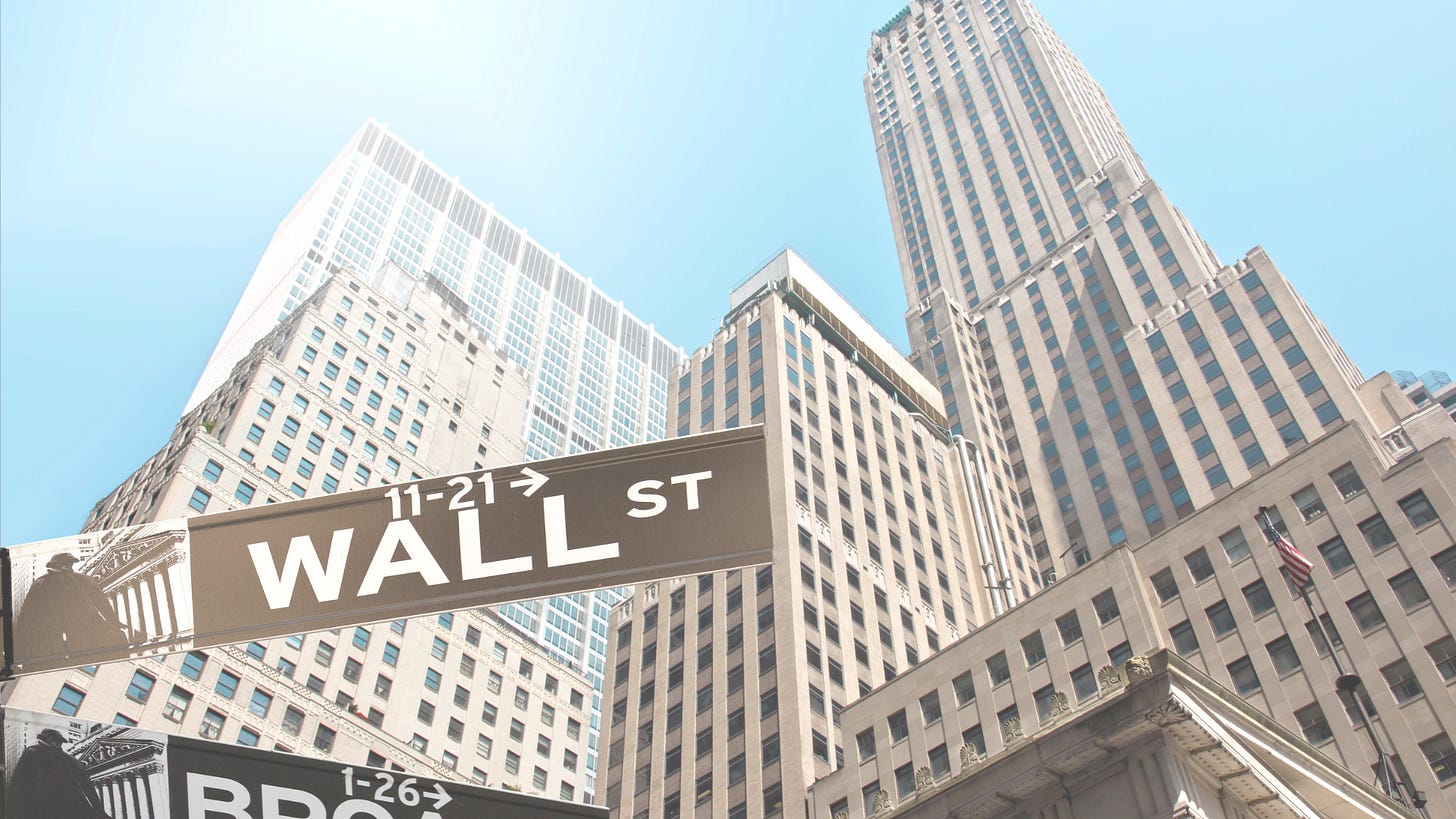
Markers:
56,766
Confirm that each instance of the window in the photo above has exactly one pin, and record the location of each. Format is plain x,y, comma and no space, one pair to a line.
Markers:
1443,655
1336,554
1070,628
998,668
1199,565
1221,618
227,684
1235,545
177,704
199,500
905,780
1446,563
1084,681
292,721
323,738
1106,606
1245,679
261,702
965,688
1282,652
68,701
1347,481
1441,755
192,664
899,726
1165,585
1313,725
1033,648
1402,680
930,708
865,741
1309,503
211,726
1258,596
1366,612
1377,533
1185,641
1417,509
1409,590
247,736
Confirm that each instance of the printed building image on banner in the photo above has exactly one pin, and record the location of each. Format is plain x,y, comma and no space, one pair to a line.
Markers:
56,767
102,596
60,767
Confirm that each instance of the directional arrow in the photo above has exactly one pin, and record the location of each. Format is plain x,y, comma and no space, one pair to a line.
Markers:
440,796
534,480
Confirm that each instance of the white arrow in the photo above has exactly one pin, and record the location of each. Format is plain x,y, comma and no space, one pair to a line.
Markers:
534,480
440,796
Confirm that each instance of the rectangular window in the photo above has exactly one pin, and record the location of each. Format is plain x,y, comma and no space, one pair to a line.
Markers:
1402,680
1245,679
68,701
1106,606
1366,612
998,669
1070,628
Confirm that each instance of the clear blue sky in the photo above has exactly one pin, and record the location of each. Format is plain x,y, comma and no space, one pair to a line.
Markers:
147,151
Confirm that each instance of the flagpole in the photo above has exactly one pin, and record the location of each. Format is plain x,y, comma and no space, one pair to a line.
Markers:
1345,683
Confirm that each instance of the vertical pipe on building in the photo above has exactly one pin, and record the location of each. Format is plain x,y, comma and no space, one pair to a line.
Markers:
983,538
1003,576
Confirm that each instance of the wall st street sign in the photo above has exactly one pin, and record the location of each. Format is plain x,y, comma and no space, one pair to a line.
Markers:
615,517
121,771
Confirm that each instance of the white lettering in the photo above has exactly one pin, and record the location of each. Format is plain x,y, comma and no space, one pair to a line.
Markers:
420,561
639,492
360,807
558,553
273,797
690,481
201,806
278,585
471,566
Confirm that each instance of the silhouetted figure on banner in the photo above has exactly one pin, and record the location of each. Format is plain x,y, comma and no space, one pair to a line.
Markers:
49,783
66,612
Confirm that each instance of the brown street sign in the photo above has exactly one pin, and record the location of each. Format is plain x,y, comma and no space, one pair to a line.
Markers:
609,518
61,766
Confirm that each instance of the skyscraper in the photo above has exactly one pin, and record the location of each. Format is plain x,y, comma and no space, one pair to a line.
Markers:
1115,404
598,376
365,383
1117,375
726,689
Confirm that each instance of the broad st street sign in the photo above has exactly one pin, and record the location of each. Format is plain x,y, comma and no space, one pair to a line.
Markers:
615,517
61,766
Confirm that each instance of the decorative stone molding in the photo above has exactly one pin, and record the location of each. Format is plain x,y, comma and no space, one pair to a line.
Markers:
1139,668
1109,678
1060,704
970,756
881,803
1168,712
924,779
1011,730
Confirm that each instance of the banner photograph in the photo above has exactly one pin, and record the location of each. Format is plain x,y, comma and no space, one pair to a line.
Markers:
56,766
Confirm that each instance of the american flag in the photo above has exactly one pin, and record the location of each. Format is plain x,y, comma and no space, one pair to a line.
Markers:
1298,566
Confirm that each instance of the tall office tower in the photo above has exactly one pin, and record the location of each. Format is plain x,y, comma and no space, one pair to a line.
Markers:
727,688
1114,373
363,384
598,376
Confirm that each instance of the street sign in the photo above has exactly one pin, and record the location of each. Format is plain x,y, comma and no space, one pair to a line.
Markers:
61,766
677,507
